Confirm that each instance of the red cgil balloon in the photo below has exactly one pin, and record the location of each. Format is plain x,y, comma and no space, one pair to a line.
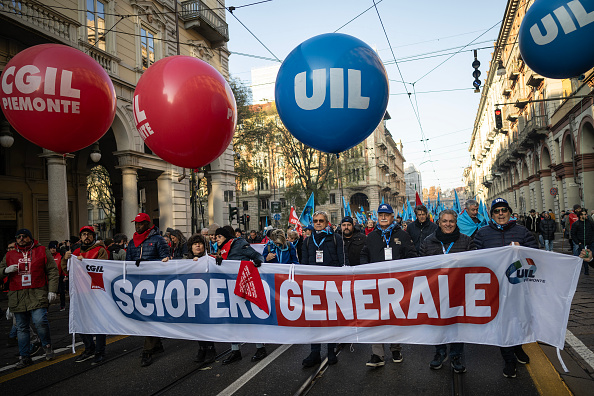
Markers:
185,111
57,97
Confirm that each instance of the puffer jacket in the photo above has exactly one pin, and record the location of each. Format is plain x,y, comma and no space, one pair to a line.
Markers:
491,236
30,299
432,246
548,228
353,247
582,232
241,250
419,231
154,248
400,242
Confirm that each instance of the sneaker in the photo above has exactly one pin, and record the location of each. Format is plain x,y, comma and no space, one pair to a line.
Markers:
397,356
35,348
521,355
200,356
233,357
313,359
146,360
260,354
23,362
49,352
332,358
375,361
437,361
457,365
509,371
86,355
98,359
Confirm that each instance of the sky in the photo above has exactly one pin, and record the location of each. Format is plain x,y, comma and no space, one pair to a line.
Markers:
444,99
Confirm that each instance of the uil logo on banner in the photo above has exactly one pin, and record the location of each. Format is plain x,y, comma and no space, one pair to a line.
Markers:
96,274
516,273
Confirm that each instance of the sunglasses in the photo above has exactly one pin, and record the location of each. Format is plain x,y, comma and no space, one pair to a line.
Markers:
501,210
319,220
21,237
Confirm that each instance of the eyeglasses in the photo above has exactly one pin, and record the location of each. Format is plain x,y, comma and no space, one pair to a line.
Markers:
21,237
501,210
319,220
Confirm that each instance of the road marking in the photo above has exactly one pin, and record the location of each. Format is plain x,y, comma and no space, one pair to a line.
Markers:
544,375
580,348
244,379
45,363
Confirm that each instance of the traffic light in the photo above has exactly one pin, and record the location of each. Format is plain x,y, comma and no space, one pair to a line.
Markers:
476,73
247,221
233,212
498,120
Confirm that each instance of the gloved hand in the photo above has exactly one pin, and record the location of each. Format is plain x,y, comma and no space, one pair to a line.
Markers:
219,260
257,263
11,268
9,314
52,297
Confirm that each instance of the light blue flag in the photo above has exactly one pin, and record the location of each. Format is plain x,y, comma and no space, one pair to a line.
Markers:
483,210
456,206
347,208
374,216
382,200
306,217
266,222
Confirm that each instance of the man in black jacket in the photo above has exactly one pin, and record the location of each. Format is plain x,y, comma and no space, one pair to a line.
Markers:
533,224
501,231
353,240
322,248
447,239
421,228
547,230
582,234
385,243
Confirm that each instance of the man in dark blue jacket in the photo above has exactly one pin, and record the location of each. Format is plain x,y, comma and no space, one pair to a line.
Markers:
422,227
322,248
147,244
501,231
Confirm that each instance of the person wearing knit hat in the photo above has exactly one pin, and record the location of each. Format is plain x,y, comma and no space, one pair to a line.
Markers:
229,248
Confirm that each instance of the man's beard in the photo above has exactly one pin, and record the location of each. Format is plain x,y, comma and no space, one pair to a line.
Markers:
347,233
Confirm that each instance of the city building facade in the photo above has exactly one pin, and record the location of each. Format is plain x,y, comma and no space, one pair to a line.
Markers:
47,192
543,155
414,182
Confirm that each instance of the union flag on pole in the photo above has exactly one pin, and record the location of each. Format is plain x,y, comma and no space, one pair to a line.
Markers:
249,285
293,219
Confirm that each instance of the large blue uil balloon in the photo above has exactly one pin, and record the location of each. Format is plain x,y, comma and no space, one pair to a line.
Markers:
556,37
331,92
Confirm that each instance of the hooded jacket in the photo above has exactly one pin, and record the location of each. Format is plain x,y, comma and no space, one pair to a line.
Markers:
153,248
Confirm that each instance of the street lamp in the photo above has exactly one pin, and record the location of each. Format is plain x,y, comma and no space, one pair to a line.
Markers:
6,137
95,153
200,175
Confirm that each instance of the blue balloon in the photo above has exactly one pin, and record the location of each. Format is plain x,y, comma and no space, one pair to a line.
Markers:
332,92
556,37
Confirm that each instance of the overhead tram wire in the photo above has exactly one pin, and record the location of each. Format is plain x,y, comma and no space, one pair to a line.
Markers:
402,78
336,31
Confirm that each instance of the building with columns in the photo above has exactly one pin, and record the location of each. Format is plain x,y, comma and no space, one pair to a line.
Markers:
543,156
47,192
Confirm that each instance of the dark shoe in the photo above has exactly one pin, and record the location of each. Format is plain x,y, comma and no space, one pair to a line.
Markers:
49,352
98,359
260,354
397,356
332,358
23,362
457,365
375,361
234,356
521,355
147,359
35,348
158,349
509,371
211,355
313,359
200,356
437,361
86,355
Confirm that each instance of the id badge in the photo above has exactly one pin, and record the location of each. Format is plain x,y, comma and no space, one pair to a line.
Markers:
388,253
319,256
26,280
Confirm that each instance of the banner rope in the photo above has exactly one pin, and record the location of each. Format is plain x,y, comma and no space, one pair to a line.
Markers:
561,361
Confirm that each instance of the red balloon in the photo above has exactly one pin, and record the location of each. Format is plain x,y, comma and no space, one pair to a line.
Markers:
185,111
57,97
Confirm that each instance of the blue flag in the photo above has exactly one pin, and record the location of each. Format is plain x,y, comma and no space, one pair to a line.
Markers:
456,206
382,200
306,217
347,208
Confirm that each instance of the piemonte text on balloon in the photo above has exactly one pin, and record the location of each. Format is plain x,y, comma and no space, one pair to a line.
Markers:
331,92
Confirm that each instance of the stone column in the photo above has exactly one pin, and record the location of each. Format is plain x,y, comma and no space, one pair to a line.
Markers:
546,184
537,195
129,200
57,195
165,199
216,204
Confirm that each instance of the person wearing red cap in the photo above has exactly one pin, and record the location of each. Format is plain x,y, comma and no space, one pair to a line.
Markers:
147,244
90,248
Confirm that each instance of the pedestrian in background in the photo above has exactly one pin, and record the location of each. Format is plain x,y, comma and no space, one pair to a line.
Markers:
547,231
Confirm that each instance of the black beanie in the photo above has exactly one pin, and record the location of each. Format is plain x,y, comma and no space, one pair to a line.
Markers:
24,231
223,232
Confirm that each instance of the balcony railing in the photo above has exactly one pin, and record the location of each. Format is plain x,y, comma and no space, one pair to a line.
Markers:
205,21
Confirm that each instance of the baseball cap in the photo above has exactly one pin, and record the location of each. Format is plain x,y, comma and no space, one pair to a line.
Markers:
140,217
385,208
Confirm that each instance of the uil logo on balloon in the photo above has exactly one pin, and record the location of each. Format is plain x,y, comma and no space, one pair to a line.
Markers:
556,37
185,111
332,92
57,97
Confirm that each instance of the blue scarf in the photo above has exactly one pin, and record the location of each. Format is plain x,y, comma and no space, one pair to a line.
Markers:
505,226
214,247
387,233
279,251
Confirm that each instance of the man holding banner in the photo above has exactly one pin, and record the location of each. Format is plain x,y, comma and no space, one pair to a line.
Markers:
502,231
386,243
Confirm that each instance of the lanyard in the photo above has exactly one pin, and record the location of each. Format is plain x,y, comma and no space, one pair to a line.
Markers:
315,243
387,239
449,247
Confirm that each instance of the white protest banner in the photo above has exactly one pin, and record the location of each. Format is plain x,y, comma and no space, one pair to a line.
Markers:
504,296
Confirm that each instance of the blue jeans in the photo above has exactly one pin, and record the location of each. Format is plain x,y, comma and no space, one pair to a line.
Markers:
99,349
13,332
548,245
456,349
23,320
